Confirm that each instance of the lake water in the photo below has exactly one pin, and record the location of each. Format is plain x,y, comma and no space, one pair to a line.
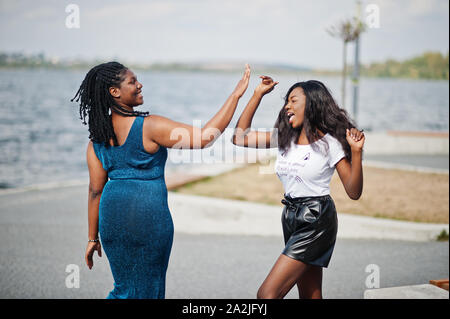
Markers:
42,138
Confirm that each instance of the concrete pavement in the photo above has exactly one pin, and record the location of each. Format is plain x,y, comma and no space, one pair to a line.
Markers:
406,143
44,231
425,291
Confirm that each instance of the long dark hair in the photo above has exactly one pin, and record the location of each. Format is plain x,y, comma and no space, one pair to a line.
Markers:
321,113
96,101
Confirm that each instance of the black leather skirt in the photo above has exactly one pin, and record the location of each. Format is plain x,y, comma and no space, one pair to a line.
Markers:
309,227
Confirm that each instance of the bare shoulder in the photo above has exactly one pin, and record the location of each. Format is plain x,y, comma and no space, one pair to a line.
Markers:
150,122
90,152
90,146
157,124
91,156
151,126
153,121
154,118
166,132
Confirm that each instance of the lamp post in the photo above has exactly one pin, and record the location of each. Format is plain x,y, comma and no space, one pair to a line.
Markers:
355,76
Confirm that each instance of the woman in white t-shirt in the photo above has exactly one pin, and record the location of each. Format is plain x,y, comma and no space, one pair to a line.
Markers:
314,136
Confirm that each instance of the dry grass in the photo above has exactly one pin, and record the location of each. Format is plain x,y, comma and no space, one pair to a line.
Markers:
395,194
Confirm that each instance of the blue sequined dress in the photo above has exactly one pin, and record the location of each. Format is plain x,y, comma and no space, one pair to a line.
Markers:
135,225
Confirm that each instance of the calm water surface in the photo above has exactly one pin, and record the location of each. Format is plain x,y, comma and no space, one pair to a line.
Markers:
42,138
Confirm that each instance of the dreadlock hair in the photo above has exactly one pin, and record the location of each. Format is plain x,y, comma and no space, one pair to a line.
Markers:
321,113
97,103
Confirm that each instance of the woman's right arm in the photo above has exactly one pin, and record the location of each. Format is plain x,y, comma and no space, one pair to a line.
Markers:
243,135
172,134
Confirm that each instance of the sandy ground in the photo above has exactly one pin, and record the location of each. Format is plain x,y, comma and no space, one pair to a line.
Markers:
388,193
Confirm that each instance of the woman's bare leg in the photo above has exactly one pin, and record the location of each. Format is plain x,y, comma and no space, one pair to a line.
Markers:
310,283
284,275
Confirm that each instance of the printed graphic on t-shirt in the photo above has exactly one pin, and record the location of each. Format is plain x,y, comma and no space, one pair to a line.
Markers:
298,179
304,159
305,170
292,169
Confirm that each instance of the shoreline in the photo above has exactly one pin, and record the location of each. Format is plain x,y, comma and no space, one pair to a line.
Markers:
225,67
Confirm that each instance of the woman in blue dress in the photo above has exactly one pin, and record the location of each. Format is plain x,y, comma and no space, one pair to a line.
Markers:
126,154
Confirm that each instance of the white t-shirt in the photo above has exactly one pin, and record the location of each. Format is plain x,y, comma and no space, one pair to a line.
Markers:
306,172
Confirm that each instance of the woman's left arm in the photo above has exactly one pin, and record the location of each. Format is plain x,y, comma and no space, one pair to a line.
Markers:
97,180
351,173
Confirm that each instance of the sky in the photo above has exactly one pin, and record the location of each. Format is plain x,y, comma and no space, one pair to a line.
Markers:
253,31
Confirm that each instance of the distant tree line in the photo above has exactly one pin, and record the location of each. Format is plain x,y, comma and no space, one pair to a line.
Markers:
21,60
430,65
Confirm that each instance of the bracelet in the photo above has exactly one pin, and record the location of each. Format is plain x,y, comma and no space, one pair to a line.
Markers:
93,240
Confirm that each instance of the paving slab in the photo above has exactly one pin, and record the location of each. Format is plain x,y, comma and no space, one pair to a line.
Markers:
425,291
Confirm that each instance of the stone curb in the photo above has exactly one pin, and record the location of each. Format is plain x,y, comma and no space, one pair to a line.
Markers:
206,215
425,291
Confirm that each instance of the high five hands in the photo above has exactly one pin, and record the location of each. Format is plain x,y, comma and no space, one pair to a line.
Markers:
266,86
242,85
355,138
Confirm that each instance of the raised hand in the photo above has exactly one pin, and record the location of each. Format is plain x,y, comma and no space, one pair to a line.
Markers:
266,86
242,86
355,139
